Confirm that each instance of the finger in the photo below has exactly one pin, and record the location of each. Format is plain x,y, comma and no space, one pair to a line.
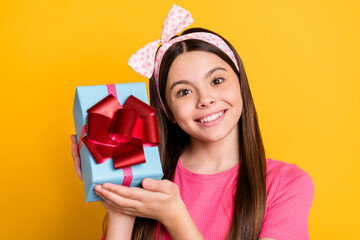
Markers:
110,206
77,165
134,193
73,138
107,204
164,186
76,157
74,146
114,199
74,151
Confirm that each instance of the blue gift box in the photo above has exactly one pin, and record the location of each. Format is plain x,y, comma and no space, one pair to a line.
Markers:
93,173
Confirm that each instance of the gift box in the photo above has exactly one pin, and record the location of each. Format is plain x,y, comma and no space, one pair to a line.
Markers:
110,169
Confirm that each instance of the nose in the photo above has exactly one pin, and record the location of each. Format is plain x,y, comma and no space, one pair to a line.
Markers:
205,98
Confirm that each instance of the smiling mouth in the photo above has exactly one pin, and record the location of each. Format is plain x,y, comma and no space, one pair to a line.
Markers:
211,117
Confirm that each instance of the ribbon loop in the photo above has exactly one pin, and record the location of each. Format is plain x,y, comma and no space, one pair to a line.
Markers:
142,61
123,125
121,132
107,106
151,127
139,106
177,20
98,128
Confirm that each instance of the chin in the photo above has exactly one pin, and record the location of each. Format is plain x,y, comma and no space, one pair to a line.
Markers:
212,138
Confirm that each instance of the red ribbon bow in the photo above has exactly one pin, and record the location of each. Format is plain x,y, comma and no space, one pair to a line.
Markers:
120,132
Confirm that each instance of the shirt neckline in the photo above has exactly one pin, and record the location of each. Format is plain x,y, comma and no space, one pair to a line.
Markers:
185,171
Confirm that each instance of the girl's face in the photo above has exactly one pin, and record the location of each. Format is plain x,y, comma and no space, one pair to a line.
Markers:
203,95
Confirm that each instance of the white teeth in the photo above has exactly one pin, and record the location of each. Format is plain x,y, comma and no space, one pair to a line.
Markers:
211,117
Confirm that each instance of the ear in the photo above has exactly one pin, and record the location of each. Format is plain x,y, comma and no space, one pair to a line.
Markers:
172,119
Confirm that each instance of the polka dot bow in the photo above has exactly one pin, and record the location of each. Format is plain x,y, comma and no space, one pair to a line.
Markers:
143,61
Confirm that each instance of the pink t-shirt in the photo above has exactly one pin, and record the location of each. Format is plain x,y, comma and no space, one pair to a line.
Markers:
209,199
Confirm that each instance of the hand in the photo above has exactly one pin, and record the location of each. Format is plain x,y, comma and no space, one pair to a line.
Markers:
159,200
120,225
76,156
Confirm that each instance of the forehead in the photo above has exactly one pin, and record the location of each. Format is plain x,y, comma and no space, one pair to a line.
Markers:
195,63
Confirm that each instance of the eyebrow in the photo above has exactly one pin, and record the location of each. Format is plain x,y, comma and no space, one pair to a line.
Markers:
208,74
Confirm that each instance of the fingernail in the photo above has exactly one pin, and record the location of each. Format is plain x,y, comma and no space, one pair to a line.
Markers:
146,182
98,188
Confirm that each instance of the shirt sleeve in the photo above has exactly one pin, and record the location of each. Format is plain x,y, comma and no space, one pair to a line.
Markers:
288,205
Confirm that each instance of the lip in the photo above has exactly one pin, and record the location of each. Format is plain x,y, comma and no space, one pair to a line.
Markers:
213,122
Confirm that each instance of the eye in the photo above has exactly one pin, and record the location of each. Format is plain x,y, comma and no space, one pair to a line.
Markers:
217,81
183,92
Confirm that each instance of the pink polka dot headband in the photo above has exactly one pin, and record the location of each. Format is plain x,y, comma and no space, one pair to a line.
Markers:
146,62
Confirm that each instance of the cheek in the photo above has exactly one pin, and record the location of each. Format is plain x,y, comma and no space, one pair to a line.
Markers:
238,99
233,93
239,102
234,96
182,111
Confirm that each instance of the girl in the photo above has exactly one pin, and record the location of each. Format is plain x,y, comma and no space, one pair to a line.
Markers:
217,183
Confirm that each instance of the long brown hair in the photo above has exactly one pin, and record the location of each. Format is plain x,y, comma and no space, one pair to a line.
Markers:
250,196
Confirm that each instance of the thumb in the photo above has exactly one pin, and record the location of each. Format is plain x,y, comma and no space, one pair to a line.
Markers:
153,185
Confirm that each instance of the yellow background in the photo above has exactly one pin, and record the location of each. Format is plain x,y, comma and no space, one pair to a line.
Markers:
302,61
